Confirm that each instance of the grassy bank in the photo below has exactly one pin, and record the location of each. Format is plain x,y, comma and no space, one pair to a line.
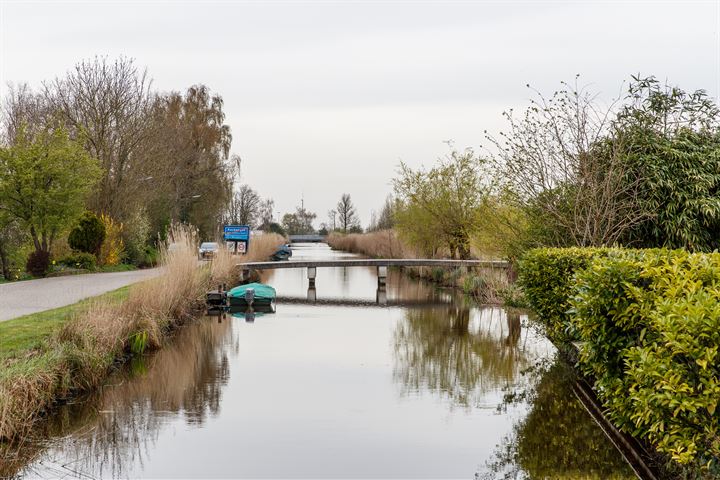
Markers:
54,355
486,285
23,335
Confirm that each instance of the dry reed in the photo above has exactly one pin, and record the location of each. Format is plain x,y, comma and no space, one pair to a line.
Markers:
262,247
380,244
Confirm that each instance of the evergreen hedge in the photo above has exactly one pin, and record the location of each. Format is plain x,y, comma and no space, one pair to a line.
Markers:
547,277
648,322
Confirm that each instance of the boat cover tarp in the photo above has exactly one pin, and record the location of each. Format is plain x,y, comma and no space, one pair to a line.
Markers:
262,291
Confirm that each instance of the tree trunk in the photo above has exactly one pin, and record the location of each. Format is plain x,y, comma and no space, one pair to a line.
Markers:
35,239
4,261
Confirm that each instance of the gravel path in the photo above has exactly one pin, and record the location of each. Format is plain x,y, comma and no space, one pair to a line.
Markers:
32,296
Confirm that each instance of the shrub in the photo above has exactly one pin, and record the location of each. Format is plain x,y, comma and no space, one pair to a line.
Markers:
650,325
83,260
135,235
648,322
547,277
38,263
513,296
150,257
88,234
113,247
473,284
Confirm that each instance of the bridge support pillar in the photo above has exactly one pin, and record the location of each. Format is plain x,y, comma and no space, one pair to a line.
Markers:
311,274
382,271
381,295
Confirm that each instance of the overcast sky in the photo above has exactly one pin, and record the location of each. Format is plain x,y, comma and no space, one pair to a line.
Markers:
326,98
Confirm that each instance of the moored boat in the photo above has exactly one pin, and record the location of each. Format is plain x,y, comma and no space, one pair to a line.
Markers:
251,294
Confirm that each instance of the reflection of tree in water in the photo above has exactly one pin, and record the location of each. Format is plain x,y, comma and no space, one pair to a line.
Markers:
442,350
114,428
557,439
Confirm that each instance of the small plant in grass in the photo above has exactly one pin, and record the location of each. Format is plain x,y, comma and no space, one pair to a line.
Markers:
138,342
437,275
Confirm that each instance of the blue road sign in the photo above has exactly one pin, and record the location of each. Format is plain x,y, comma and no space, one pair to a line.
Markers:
239,233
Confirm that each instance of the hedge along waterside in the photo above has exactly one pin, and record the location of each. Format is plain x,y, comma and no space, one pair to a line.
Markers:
649,326
547,277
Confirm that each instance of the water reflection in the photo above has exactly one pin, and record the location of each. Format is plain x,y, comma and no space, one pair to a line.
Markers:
557,438
466,355
116,428
459,352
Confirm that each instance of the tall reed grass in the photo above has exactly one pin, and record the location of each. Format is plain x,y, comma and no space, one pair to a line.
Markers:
380,244
80,355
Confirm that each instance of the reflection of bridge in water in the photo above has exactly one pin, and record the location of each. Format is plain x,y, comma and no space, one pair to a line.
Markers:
381,300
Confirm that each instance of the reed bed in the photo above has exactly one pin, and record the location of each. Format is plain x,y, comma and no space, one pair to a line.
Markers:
262,247
380,244
79,356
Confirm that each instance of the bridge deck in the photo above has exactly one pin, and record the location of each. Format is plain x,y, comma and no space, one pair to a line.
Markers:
375,262
306,238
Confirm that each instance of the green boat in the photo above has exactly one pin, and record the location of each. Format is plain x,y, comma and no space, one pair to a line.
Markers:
251,294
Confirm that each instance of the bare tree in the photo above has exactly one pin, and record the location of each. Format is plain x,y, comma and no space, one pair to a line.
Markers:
265,212
23,109
108,104
332,219
560,164
347,214
245,207
385,219
188,151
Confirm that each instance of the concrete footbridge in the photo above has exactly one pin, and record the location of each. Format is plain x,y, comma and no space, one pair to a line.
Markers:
381,264
313,238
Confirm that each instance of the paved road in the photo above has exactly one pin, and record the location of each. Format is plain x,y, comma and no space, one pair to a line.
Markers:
32,296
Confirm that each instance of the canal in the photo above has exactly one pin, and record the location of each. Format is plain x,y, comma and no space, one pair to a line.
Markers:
437,388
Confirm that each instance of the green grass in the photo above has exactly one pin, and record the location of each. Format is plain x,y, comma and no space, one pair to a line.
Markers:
22,335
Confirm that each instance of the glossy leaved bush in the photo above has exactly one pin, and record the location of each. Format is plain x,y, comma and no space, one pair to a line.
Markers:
547,277
648,323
